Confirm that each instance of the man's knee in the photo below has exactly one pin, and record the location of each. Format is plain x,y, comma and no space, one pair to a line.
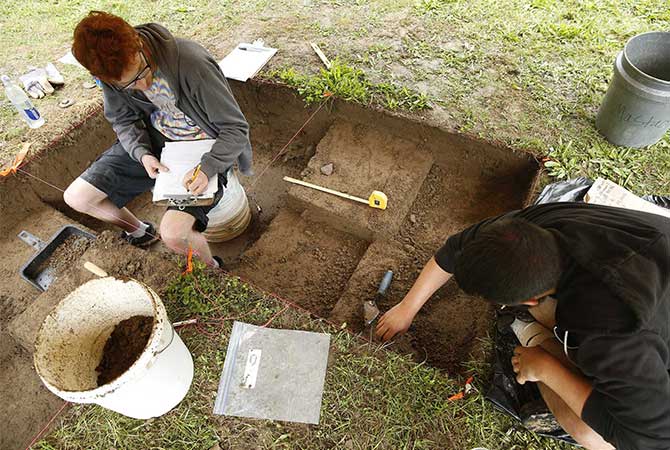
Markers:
588,438
174,233
80,196
571,423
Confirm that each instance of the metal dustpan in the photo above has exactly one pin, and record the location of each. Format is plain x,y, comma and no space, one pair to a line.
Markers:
37,270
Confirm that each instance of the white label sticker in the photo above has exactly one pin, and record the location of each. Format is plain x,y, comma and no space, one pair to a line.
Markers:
251,369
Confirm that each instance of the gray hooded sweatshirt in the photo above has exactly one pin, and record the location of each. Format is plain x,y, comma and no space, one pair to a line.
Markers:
201,92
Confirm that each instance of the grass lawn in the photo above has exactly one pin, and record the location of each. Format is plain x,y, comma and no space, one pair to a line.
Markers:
527,73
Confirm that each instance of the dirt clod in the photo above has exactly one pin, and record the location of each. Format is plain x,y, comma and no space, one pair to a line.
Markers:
124,346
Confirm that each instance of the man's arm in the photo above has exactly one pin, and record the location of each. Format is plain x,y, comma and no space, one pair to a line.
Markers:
629,405
543,365
126,123
536,364
434,275
399,318
214,95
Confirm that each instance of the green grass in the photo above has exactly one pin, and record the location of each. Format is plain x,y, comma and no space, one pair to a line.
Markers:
372,398
350,84
549,63
527,73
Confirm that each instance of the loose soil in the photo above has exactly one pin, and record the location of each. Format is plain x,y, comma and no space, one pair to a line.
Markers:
446,333
304,262
68,252
124,346
24,308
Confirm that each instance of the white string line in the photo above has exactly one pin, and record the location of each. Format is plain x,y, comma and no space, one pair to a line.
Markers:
287,144
105,213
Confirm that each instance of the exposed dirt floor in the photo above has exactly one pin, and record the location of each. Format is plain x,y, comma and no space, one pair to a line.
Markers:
322,252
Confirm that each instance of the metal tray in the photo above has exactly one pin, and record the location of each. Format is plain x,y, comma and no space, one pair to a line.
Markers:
37,271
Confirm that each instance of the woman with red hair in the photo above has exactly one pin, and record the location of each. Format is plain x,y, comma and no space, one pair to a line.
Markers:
156,88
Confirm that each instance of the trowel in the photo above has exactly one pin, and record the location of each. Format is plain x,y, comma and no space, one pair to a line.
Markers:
370,309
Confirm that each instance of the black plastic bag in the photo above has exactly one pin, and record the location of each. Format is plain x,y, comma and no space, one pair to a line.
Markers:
521,401
572,190
575,189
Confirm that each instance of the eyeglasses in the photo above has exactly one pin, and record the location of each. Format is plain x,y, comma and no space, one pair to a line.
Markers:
141,74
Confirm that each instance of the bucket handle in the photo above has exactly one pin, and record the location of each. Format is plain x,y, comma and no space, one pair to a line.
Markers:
158,352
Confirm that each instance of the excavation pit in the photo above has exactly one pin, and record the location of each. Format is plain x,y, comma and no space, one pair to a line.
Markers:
321,252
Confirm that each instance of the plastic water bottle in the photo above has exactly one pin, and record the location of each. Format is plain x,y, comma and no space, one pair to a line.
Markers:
23,105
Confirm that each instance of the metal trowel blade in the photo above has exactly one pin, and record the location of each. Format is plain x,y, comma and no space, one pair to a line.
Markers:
370,312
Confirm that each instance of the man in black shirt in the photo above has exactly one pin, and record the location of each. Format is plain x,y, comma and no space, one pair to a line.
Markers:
601,358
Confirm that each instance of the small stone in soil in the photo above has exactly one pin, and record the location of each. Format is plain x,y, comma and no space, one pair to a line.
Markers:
412,218
328,169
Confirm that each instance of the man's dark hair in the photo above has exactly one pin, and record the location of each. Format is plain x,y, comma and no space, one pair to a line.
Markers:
509,261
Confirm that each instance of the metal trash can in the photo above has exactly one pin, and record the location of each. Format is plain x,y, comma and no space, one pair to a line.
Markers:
636,109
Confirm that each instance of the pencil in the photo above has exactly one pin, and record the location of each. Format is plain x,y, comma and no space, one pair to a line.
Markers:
195,174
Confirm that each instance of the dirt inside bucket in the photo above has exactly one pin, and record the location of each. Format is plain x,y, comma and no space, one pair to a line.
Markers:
124,346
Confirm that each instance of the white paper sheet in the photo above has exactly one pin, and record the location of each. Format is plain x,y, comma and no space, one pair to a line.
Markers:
69,58
608,193
180,157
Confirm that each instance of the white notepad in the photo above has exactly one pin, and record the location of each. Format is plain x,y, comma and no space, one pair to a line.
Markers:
180,157
608,193
245,61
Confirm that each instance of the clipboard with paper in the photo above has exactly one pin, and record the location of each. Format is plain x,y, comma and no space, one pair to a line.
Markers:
180,157
246,60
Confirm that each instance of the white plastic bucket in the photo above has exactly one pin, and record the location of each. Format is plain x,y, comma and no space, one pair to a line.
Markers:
70,344
231,216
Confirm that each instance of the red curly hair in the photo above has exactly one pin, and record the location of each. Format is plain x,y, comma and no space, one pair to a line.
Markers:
105,44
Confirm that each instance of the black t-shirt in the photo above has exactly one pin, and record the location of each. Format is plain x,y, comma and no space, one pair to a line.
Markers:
614,299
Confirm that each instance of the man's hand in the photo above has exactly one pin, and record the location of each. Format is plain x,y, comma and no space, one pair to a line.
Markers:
396,320
153,166
198,185
529,363
399,318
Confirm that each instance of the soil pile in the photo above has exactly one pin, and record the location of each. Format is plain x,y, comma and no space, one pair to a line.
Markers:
124,346
66,254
